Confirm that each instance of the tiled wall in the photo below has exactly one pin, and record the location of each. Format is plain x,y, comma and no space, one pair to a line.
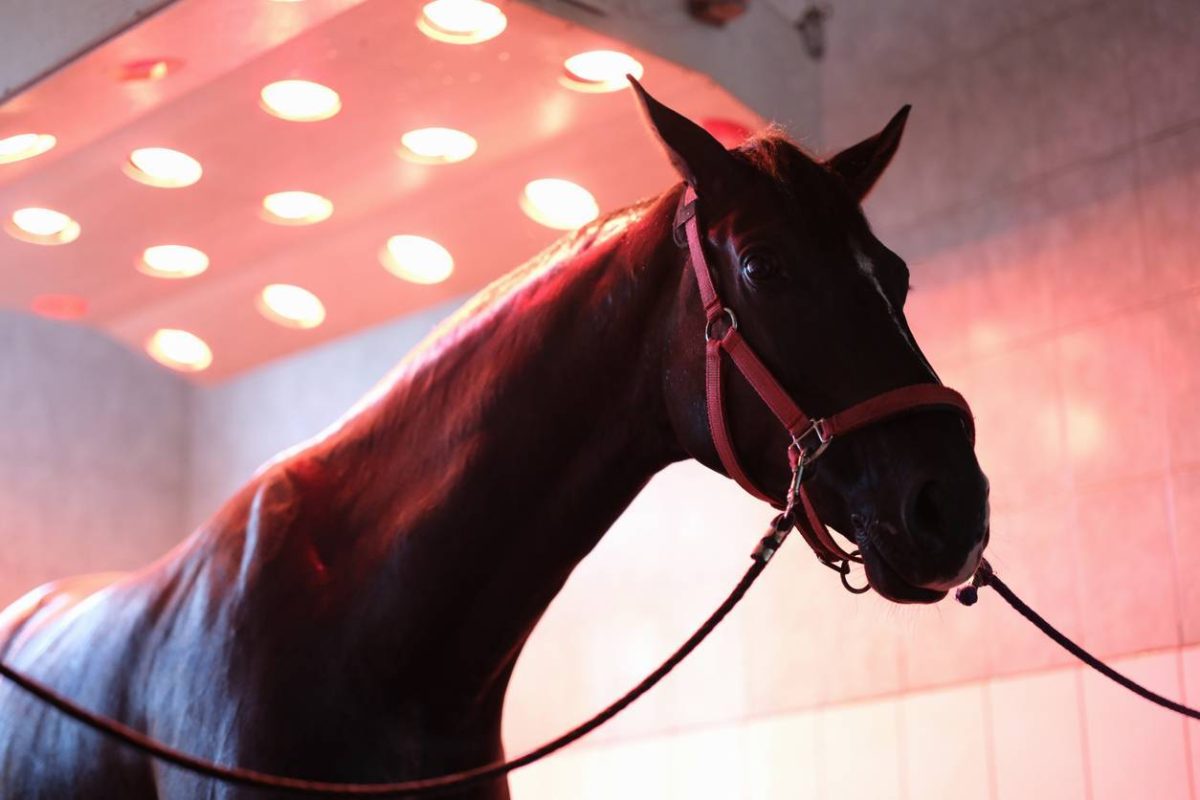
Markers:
1062,733
1047,198
93,443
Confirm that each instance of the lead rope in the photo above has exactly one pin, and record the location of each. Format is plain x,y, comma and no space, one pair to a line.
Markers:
986,576
424,787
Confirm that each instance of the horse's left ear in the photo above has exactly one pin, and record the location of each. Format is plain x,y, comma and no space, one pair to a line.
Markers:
861,165
697,156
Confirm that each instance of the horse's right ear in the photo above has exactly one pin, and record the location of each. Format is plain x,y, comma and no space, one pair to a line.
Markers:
696,155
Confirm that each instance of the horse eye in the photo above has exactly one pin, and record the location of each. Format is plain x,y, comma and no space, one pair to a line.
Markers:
759,267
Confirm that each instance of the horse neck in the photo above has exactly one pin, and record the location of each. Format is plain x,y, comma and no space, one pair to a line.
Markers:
502,452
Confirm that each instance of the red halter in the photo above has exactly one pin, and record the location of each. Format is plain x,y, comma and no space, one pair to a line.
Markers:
809,436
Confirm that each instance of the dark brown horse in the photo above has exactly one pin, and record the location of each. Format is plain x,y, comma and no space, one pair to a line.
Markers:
355,611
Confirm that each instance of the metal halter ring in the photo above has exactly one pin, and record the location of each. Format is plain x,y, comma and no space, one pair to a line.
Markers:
842,568
732,324
803,444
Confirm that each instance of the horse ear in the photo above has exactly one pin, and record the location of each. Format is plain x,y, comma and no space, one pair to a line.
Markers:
861,165
697,156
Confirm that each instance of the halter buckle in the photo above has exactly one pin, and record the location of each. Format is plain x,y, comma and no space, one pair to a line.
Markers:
812,441
686,212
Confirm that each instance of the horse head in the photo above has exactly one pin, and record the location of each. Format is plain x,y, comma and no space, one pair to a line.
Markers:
821,301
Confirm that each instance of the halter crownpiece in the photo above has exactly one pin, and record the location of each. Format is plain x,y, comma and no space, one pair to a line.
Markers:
809,437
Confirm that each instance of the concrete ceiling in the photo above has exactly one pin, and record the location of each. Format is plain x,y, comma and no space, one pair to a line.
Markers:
506,92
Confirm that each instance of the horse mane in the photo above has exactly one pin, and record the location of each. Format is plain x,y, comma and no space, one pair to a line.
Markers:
796,174
497,294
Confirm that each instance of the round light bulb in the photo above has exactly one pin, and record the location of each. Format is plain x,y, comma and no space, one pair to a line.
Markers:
180,350
24,145
173,261
290,306
461,21
296,208
600,71
163,167
300,101
437,146
417,259
42,226
558,203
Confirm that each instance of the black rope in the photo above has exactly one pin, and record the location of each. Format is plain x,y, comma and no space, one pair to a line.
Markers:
424,787
985,576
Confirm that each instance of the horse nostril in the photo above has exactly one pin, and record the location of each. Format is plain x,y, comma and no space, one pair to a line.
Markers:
926,520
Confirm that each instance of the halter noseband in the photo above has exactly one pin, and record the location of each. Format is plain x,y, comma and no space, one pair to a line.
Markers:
809,436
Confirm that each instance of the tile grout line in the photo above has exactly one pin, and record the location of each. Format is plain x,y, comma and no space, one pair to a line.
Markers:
1084,739
989,743
902,750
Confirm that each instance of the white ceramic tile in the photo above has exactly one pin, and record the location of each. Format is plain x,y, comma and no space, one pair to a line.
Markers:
945,743
1136,749
1037,736
860,751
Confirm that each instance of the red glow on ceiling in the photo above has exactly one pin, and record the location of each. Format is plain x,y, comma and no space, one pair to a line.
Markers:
59,306
149,69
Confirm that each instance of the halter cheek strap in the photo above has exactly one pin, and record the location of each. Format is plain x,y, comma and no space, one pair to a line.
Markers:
809,437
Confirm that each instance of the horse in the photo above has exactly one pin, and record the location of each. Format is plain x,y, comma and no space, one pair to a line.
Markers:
354,612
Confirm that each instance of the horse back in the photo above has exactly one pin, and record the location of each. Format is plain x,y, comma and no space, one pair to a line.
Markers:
68,635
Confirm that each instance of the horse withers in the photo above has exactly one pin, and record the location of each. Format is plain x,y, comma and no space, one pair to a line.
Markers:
355,611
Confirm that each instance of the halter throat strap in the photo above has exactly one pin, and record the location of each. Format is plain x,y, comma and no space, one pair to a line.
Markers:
809,436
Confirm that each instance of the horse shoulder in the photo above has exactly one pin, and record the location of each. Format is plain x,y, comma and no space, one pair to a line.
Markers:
281,533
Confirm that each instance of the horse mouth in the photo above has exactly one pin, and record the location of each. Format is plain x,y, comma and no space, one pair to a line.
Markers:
888,582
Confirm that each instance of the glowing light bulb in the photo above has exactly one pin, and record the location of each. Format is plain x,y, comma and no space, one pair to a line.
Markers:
163,167
290,306
300,101
461,21
417,259
437,146
173,261
558,203
42,226
24,145
296,208
180,350
600,71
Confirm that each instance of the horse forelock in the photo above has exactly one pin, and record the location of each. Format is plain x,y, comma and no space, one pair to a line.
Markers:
800,177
